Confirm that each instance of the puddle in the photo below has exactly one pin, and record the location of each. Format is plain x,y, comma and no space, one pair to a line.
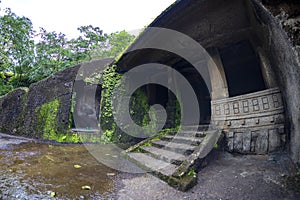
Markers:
34,171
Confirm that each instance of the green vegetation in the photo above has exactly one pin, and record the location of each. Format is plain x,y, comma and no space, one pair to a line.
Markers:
146,144
72,105
27,56
140,112
47,119
139,108
216,146
192,173
177,114
110,80
47,122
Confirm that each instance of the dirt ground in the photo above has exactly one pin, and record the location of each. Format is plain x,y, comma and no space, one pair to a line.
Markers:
226,176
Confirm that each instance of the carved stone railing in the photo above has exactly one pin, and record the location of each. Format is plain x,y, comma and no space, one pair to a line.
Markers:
252,123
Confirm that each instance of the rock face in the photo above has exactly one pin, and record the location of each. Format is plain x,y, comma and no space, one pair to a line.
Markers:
11,110
57,87
20,109
288,13
56,104
283,50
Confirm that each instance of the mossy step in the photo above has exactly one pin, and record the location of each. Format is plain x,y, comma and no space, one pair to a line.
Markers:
165,155
83,130
183,139
174,162
152,164
176,147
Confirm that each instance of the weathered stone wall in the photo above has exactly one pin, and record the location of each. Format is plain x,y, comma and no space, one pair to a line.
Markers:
20,109
11,110
56,87
86,105
252,123
288,14
50,107
281,50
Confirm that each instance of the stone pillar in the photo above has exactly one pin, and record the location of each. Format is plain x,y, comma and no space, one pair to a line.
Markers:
267,72
217,76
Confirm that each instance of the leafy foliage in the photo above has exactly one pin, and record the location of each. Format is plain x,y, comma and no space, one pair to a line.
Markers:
139,109
51,54
16,46
110,79
32,56
115,44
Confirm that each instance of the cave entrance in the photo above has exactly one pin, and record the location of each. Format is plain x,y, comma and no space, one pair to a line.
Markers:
158,94
201,91
242,69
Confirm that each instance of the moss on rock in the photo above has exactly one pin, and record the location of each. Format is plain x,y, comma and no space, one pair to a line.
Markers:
46,120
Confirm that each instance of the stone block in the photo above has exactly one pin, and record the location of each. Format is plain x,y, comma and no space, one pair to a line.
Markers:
261,146
254,136
274,140
238,142
230,140
246,141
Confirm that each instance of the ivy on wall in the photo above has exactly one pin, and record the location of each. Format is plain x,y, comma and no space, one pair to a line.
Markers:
110,80
139,109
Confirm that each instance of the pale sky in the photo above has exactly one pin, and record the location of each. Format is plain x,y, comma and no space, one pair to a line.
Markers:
67,15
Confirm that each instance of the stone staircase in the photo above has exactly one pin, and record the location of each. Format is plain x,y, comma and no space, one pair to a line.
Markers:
175,156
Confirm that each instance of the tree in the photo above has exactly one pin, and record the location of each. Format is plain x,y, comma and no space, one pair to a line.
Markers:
22,61
55,52
52,54
17,46
116,43
92,39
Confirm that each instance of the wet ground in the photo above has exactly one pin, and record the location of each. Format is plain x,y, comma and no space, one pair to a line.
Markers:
31,170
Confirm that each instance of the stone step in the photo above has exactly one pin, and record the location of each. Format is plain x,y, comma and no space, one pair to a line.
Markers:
202,127
83,130
174,156
176,147
196,134
152,164
168,156
189,133
184,139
